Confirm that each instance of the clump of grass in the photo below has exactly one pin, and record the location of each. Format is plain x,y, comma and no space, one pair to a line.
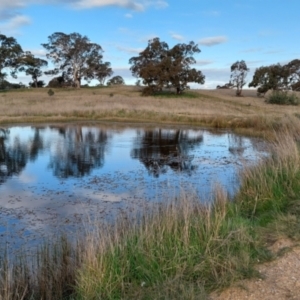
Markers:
282,98
268,188
49,274
50,92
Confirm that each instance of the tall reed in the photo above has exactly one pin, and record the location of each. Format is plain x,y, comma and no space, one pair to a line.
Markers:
49,273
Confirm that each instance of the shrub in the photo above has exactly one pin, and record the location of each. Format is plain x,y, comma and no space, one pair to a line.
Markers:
50,92
282,98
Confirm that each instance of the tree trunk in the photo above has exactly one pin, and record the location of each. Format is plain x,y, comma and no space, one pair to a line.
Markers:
239,92
77,83
77,79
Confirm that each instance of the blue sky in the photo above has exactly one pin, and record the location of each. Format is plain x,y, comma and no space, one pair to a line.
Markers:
261,32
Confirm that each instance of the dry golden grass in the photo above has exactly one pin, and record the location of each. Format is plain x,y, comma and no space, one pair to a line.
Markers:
216,108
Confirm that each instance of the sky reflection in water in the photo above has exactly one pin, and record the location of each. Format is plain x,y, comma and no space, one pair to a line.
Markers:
53,177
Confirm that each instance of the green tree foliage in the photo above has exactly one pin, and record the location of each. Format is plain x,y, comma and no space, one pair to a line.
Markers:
116,80
161,67
32,66
10,53
277,77
239,71
60,81
37,84
274,77
74,55
5,85
103,72
294,74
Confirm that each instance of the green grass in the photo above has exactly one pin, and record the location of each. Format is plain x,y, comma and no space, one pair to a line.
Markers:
283,98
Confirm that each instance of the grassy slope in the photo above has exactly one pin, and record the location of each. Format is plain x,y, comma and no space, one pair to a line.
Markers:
216,108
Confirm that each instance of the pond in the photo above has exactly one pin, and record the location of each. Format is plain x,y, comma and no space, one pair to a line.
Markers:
54,178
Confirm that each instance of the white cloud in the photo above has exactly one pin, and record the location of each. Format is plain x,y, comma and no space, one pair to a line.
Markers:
9,9
158,4
177,37
132,5
203,62
14,23
130,50
136,5
148,37
6,5
140,5
214,40
39,52
129,16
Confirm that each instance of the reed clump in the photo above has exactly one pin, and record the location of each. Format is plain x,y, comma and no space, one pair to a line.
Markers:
47,273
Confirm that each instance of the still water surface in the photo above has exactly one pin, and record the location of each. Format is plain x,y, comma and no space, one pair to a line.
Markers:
53,177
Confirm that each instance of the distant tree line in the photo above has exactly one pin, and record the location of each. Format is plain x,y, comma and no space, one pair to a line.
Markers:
75,58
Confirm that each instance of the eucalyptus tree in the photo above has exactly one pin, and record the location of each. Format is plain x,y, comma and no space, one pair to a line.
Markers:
239,71
32,66
274,77
103,72
3,81
294,74
159,66
10,53
37,84
116,80
74,55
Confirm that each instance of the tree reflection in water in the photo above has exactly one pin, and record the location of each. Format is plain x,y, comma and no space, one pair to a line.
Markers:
13,158
236,144
160,149
79,153
76,155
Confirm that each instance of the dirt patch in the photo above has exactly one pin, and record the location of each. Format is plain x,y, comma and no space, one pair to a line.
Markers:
280,279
